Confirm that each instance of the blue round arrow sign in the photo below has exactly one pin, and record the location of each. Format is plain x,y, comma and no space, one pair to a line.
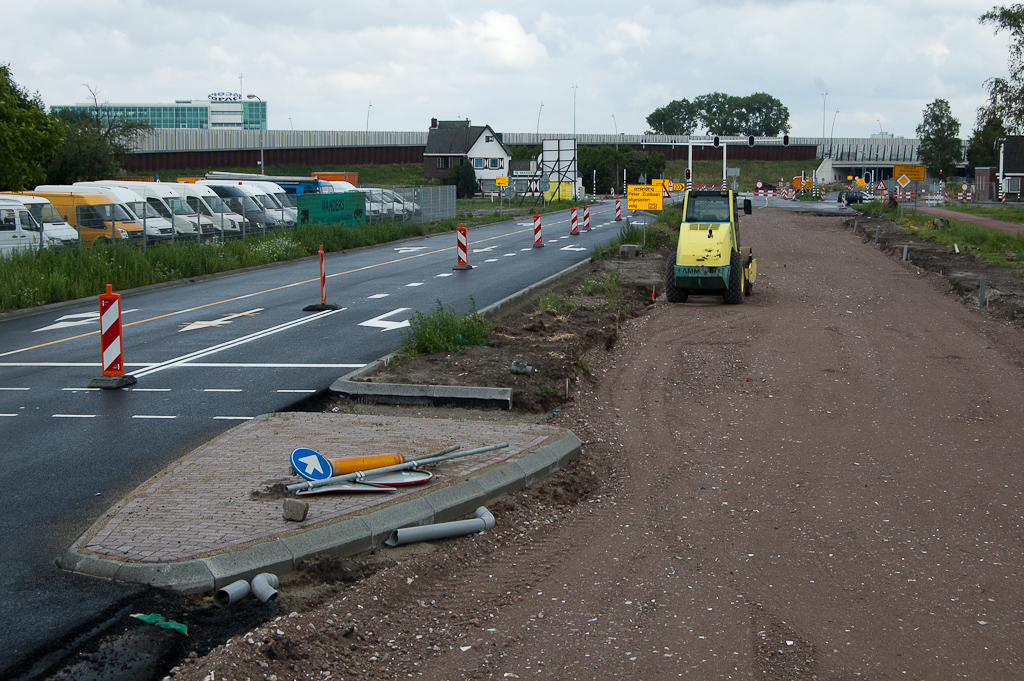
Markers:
310,464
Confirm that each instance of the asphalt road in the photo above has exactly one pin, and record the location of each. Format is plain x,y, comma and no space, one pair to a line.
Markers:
206,355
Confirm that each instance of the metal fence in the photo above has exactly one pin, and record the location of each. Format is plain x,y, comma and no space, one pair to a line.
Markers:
417,204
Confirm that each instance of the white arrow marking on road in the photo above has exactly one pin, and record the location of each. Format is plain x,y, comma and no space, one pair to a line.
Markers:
572,248
410,249
78,319
385,325
312,464
223,321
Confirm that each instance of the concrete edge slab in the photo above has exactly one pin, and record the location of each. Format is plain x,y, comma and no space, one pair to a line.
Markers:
344,538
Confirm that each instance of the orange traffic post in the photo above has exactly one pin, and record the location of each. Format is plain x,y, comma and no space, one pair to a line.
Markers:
574,228
352,464
538,239
111,346
463,246
323,305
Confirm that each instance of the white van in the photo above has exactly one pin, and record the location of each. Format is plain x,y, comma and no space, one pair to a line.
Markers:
169,205
57,232
204,200
276,216
157,228
19,231
374,206
279,195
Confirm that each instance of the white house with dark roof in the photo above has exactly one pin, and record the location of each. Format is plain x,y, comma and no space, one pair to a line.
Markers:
454,142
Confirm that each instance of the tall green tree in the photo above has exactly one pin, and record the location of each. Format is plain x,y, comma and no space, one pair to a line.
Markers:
463,177
720,114
96,143
941,148
982,148
28,137
1006,95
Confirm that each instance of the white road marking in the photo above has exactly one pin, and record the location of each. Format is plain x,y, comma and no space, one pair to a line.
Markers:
254,365
2,415
526,249
508,255
15,388
572,248
491,260
223,321
150,390
378,295
77,319
386,325
152,416
297,391
410,249
74,416
234,418
80,390
222,390
183,359
484,250
415,283
446,274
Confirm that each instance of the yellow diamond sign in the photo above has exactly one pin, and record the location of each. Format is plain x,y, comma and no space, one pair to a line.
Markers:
903,180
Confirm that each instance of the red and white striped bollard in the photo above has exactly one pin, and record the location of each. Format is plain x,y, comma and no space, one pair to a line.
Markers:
538,240
463,248
574,228
111,346
586,218
618,210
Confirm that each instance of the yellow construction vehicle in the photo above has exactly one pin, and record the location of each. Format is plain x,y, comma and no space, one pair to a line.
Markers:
709,259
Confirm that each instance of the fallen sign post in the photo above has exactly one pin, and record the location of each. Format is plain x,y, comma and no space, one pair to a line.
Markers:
359,475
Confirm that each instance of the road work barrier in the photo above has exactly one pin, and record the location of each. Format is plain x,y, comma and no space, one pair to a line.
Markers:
573,224
586,218
111,346
618,210
462,238
538,240
482,520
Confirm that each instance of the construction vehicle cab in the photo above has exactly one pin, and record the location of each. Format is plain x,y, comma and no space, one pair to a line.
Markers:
709,259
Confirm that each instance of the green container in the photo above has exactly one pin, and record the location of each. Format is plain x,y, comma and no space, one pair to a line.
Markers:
347,209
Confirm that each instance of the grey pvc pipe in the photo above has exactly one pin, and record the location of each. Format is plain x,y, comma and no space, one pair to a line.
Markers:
264,586
233,592
482,520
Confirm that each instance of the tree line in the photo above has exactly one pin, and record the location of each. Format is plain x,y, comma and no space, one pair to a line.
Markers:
60,147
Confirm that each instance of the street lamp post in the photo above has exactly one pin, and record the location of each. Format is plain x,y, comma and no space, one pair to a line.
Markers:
538,117
263,167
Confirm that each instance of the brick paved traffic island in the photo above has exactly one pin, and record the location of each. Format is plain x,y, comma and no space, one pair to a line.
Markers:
210,517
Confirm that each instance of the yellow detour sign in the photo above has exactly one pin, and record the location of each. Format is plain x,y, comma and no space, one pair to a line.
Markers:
677,187
914,173
644,196
501,181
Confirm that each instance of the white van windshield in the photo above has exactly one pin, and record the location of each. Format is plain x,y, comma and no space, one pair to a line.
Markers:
45,213
216,204
265,201
285,199
142,209
178,206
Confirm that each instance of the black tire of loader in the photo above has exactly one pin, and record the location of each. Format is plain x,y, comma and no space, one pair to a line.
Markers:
673,294
734,294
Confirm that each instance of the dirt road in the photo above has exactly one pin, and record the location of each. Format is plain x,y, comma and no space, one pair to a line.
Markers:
819,483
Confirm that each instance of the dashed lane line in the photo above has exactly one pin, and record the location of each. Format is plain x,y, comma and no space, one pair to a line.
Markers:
153,416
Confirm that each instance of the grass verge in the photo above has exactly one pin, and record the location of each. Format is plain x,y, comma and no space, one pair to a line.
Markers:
445,330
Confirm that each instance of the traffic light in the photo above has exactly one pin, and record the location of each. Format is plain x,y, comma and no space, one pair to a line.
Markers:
716,142
785,140
750,141
940,174
686,174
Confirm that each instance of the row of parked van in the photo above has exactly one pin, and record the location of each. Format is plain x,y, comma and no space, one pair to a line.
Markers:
136,211
60,215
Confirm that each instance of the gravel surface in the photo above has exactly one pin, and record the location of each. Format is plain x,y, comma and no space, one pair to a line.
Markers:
819,483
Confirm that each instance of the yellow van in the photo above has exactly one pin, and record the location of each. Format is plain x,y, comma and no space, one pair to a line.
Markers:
93,214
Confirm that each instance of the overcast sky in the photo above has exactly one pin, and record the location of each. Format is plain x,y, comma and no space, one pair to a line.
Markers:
325,65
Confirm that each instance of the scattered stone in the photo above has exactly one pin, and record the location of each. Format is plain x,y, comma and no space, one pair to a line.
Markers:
295,509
